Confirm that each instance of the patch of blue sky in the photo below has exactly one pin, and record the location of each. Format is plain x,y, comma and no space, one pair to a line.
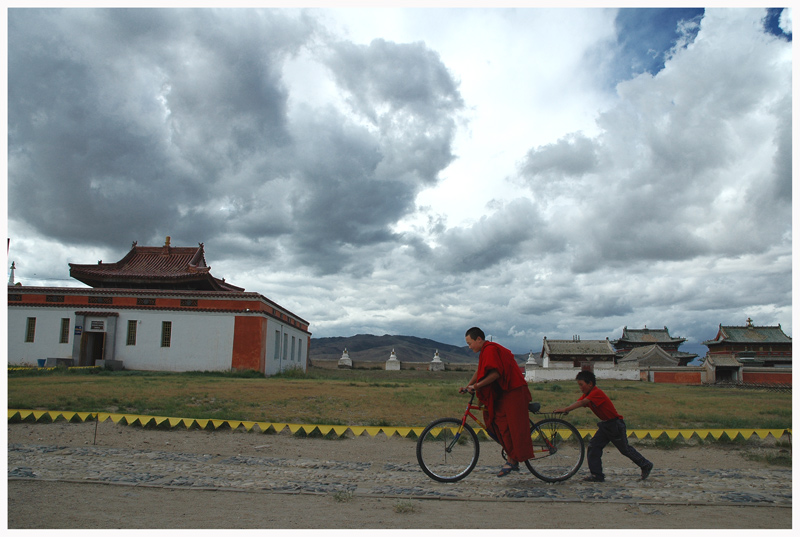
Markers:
646,36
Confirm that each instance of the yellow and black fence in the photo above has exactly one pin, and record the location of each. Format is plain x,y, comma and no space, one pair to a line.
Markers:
355,430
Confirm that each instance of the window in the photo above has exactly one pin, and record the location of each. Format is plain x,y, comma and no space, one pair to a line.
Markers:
131,333
299,348
291,356
285,346
166,333
64,331
30,330
277,344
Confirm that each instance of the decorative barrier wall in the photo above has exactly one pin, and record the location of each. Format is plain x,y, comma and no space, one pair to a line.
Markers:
355,430
675,375
539,374
767,375
404,365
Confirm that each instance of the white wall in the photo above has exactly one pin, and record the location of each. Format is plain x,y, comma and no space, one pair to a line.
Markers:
280,357
201,341
48,331
552,374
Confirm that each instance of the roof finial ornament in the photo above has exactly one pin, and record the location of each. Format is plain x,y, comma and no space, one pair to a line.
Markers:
167,242
749,322
133,245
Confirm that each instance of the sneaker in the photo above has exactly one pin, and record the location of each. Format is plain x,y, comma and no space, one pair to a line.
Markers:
646,469
592,478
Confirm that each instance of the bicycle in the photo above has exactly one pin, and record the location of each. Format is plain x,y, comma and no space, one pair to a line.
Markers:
448,448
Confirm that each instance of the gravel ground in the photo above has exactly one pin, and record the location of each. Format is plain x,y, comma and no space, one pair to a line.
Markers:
60,476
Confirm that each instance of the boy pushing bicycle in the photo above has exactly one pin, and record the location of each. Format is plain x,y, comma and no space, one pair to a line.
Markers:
611,428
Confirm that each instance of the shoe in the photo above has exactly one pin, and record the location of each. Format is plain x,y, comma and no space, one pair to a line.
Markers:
592,478
646,470
507,469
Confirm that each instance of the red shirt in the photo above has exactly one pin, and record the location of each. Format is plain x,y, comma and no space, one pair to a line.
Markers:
600,404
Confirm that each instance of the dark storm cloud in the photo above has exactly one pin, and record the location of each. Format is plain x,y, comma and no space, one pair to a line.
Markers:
512,233
572,156
406,77
353,181
123,123
136,124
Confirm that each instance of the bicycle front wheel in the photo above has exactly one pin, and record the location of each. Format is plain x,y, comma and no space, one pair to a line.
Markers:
444,453
557,450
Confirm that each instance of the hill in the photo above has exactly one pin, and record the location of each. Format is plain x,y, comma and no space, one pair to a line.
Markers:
370,348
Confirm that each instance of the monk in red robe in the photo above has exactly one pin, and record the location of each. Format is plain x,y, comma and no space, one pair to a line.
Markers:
503,390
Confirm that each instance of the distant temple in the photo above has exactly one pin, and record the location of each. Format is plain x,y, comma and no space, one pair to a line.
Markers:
638,338
736,346
563,353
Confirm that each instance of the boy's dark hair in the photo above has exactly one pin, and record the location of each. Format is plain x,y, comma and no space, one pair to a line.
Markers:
474,333
587,377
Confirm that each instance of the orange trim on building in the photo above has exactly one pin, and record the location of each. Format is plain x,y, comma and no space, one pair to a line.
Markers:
110,298
249,337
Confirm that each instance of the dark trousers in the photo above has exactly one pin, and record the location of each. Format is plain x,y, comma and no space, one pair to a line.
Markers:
613,431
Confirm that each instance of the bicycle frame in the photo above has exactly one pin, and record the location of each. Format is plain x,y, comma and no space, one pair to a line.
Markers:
549,447
467,414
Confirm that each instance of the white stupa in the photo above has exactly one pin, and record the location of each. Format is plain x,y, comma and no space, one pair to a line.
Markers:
393,364
436,364
345,362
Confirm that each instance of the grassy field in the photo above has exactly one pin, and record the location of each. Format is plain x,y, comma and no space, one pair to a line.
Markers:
375,398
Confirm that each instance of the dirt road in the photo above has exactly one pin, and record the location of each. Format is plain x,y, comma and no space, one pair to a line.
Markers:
58,477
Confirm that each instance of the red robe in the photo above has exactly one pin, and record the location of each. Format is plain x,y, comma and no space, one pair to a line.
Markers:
506,400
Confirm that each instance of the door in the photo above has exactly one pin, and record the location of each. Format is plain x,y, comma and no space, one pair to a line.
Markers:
92,345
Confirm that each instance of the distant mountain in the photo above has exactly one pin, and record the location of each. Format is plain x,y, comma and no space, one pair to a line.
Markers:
369,348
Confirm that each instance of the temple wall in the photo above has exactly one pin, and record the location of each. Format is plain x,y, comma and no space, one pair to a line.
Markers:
286,347
766,375
200,341
539,374
46,341
418,366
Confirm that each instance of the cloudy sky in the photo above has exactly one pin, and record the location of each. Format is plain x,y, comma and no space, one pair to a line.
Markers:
537,172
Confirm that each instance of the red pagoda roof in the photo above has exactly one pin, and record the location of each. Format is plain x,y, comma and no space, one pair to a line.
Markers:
154,267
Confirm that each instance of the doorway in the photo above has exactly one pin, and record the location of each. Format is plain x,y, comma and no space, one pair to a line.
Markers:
726,375
92,345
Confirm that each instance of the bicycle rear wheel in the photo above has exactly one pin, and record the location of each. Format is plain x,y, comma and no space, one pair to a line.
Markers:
557,449
444,454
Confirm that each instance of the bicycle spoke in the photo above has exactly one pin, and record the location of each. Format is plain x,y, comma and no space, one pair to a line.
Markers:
558,450
445,455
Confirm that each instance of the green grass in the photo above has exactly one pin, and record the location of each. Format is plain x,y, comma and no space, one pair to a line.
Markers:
375,398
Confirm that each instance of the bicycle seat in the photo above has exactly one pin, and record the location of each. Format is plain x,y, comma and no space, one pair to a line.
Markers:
534,407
